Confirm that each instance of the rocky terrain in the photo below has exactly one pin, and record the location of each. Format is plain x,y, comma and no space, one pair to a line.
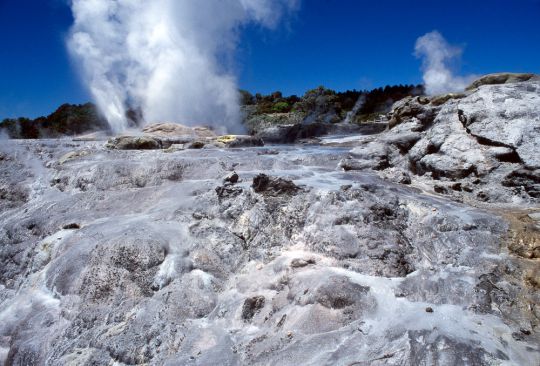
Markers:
416,245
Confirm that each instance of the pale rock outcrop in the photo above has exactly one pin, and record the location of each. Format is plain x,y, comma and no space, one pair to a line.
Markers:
175,129
488,136
502,78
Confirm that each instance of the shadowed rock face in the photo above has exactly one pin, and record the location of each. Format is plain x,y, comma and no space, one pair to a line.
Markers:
273,186
276,255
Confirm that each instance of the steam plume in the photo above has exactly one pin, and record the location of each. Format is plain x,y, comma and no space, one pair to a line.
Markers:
437,56
357,106
163,56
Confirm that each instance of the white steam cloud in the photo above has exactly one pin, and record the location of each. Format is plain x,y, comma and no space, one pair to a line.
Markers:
165,57
437,57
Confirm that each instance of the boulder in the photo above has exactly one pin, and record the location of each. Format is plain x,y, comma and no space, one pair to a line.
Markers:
228,191
299,262
251,306
232,178
281,134
134,143
239,141
174,129
500,78
371,155
397,176
417,108
72,156
403,141
441,99
358,164
273,186
340,292
490,132
174,143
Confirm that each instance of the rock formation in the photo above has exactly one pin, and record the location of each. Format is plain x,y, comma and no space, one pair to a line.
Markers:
418,245
482,145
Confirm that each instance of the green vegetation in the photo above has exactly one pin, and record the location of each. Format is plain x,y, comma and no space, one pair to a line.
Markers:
281,107
68,119
327,105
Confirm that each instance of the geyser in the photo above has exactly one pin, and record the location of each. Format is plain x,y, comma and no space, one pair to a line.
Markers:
163,56
437,57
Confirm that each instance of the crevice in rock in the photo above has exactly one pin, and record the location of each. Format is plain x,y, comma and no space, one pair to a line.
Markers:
512,157
245,244
432,149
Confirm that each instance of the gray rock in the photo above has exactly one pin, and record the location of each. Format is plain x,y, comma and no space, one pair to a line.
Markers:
232,178
274,186
397,176
135,143
506,115
373,154
71,156
164,270
251,306
283,134
491,131
299,263
240,141
175,130
339,292
403,141
441,99
359,164
501,78
412,107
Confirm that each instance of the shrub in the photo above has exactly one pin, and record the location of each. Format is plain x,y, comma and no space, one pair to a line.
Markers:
281,107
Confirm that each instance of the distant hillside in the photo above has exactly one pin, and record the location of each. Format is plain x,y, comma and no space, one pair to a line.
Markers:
67,120
319,105
375,101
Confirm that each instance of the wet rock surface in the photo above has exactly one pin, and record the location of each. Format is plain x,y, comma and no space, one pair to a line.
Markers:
275,255
262,183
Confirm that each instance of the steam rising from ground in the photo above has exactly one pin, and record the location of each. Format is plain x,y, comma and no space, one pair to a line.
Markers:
357,106
437,57
165,57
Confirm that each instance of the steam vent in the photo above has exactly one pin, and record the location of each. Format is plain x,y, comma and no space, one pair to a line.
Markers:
182,218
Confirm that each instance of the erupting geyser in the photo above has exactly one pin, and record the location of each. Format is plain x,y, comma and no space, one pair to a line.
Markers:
163,56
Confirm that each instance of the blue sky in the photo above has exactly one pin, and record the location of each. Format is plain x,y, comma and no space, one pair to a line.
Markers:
342,44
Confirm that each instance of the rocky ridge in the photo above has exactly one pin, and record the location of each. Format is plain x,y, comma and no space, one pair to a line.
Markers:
479,146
